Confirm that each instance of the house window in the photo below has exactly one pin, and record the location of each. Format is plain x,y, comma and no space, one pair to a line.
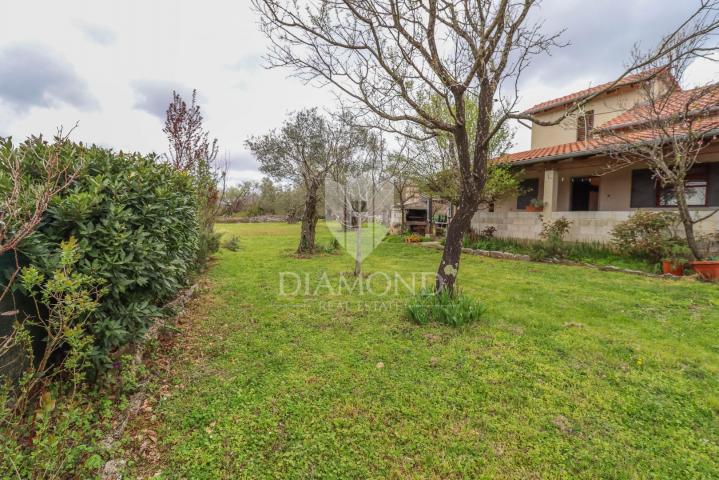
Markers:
528,191
585,125
696,188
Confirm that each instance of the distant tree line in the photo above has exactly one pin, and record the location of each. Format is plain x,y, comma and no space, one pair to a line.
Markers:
252,198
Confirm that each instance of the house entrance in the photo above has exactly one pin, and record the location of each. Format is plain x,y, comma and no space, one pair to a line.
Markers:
585,194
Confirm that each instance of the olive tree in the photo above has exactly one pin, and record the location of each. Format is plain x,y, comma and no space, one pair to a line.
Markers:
305,150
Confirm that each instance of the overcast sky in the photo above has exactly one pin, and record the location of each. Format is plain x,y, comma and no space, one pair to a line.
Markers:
111,66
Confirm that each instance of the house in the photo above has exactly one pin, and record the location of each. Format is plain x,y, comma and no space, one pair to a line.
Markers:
570,171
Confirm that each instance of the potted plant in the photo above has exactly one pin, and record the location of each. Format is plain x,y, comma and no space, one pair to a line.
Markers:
535,206
708,269
676,259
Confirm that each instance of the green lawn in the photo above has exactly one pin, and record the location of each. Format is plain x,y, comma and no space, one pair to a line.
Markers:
572,373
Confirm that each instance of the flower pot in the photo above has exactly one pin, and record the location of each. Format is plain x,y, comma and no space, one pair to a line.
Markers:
670,267
532,208
707,269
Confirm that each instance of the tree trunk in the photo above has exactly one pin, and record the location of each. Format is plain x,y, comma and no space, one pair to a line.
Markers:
430,214
449,265
686,218
473,176
309,221
358,247
400,194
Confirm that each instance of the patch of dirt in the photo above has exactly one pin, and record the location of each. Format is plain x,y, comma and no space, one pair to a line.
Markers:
563,424
179,344
434,338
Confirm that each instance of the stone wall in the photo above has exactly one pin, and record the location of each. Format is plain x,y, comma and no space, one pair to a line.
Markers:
586,226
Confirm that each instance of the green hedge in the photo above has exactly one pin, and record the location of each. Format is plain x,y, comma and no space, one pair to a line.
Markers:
135,220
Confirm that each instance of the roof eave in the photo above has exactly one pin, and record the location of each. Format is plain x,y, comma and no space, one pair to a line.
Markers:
587,153
534,110
554,158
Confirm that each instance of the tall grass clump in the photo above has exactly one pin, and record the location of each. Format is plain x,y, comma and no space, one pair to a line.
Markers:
442,307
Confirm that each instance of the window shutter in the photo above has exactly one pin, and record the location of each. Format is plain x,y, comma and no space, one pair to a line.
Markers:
585,125
581,128
713,193
644,193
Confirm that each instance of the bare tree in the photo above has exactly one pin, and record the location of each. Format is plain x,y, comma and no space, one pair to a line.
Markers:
388,57
306,150
192,151
34,176
189,143
667,132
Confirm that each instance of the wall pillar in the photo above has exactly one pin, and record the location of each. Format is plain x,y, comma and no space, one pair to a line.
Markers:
551,191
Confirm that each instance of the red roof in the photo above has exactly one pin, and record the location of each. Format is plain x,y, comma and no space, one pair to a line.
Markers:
548,153
630,126
697,101
577,96
603,144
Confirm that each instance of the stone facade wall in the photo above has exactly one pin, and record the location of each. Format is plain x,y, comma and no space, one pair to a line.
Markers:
586,226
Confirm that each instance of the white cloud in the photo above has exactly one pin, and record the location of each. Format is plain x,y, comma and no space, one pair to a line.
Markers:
153,96
97,33
214,47
36,77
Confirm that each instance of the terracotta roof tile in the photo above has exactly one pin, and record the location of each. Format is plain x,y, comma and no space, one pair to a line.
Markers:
602,144
698,100
576,96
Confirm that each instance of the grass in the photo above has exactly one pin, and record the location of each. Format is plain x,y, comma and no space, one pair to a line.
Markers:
569,373
594,253
443,307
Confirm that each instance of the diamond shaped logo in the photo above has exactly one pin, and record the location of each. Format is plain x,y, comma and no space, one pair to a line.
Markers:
358,212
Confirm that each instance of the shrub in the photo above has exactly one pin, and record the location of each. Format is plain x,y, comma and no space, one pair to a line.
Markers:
413,238
487,232
552,244
474,238
46,427
454,310
646,234
231,243
556,230
589,252
135,222
470,238
208,242
331,247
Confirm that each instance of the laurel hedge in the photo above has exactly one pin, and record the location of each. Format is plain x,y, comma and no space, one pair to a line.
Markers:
135,220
